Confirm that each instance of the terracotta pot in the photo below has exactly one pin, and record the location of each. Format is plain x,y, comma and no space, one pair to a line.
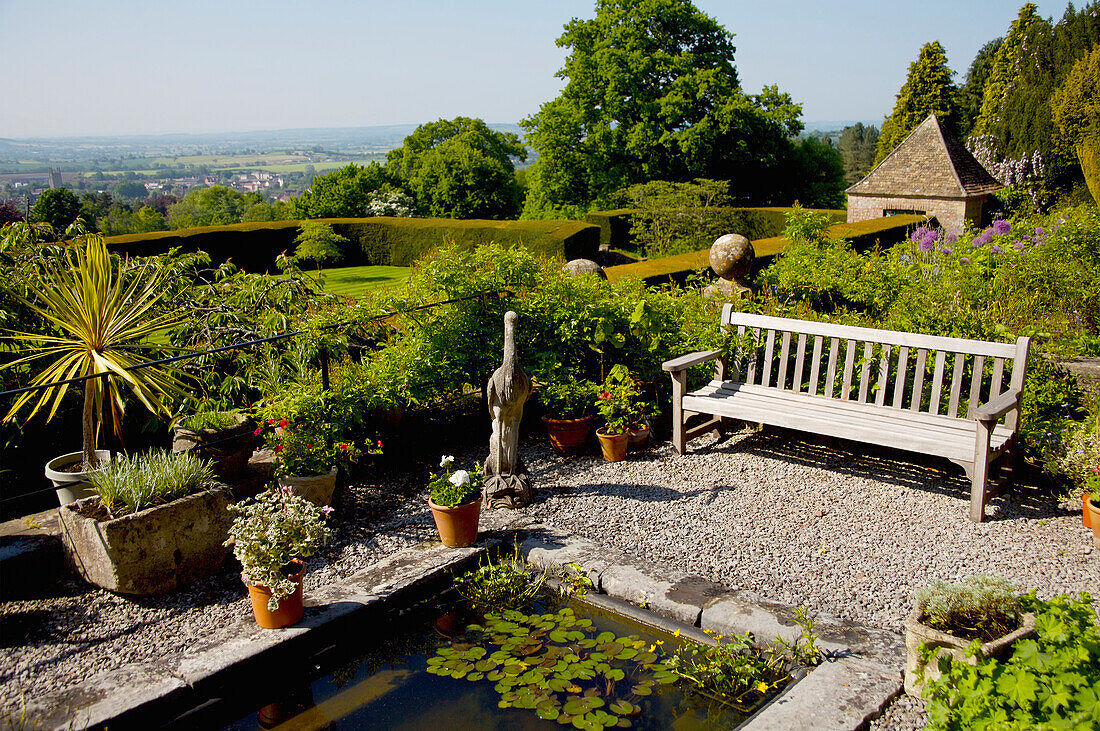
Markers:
1094,518
457,526
290,607
638,435
568,435
228,447
72,486
1085,517
942,643
613,446
317,489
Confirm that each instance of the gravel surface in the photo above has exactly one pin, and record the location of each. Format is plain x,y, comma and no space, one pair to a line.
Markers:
850,533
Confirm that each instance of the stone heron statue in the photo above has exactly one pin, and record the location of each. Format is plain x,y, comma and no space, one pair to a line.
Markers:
506,482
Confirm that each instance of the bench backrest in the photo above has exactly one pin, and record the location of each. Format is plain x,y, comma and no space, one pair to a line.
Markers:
899,370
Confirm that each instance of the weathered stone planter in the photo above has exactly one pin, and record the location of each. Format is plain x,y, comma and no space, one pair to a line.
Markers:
317,489
151,551
228,447
943,643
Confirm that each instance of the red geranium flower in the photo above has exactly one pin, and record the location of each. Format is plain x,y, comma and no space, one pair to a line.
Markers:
379,443
278,447
284,424
309,446
343,447
270,421
605,394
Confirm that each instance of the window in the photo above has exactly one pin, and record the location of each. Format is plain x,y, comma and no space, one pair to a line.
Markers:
902,212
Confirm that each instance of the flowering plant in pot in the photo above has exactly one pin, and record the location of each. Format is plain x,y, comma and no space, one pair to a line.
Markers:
455,502
1079,461
568,403
978,617
270,536
1092,503
615,403
307,455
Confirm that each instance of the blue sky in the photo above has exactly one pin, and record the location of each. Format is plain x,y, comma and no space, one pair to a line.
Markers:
121,67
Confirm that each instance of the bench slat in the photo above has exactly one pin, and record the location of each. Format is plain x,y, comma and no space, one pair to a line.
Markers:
883,374
903,372
998,373
918,380
815,365
976,376
784,356
937,383
830,377
849,364
738,355
766,380
750,376
865,372
849,332
956,384
799,363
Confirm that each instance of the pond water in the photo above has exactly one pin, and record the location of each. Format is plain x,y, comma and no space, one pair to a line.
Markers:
391,685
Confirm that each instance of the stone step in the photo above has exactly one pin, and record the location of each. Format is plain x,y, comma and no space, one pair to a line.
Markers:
31,558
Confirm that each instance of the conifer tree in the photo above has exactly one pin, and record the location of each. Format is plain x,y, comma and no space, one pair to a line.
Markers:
1007,65
927,90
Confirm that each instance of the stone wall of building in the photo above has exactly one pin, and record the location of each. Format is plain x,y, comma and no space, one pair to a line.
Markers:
951,213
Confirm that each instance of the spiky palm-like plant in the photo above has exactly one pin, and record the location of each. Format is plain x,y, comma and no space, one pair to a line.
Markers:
105,312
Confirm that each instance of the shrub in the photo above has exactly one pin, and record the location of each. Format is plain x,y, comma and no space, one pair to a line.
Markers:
130,483
982,607
505,583
564,396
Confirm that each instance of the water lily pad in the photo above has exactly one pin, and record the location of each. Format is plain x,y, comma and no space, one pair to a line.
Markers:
547,712
558,635
623,708
614,674
484,666
587,643
642,690
627,654
603,637
475,677
646,657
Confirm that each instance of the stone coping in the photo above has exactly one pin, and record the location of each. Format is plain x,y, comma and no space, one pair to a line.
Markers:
863,672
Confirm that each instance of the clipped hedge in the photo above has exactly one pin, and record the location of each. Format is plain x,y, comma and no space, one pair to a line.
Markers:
754,223
374,241
863,235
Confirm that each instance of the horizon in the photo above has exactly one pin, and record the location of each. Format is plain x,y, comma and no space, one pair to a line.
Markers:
213,68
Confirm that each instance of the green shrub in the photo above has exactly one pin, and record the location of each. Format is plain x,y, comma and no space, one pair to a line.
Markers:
564,396
210,420
131,483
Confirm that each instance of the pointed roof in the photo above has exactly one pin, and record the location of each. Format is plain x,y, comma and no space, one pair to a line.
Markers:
929,163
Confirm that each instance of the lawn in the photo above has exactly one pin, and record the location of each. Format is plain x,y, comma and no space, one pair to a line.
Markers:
352,281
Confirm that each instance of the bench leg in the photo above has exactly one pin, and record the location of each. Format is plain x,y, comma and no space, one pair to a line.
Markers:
980,472
679,387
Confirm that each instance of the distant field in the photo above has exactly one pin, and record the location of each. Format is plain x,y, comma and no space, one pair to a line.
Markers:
353,281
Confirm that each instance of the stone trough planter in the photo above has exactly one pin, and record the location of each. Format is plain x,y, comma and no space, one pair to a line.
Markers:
152,551
942,643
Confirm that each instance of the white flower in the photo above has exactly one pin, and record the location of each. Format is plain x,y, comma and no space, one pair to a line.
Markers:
446,461
460,478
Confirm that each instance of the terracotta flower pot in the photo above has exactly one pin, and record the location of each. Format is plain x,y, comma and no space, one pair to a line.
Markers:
1094,518
613,446
290,607
457,526
568,435
1086,518
317,489
943,643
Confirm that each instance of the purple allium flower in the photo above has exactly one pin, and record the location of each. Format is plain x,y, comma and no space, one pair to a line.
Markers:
951,238
1002,226
997,249
946,250
1018,245
927,245
964,260
916,235
1038,230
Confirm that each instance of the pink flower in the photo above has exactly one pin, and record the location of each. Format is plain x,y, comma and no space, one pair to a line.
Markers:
258,431
343,447
327,510
379,443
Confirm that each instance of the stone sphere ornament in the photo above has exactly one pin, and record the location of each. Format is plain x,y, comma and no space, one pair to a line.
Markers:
577,267
731,258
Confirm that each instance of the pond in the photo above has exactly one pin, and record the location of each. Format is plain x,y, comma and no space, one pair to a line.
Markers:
428,673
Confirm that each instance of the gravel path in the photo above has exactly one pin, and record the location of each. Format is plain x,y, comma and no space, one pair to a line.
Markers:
843,532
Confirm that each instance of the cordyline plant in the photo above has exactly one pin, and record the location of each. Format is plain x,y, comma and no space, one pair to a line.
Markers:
270,532
105,312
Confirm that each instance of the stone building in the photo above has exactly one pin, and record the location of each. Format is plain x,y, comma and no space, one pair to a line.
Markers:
929,173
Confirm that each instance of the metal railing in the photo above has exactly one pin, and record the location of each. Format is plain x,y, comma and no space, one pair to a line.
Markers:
324,365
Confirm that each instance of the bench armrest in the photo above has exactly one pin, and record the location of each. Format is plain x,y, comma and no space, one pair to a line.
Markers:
998,407
686,361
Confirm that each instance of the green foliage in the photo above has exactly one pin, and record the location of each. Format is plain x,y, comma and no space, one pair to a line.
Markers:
816,174
503,583
804,226
271,531
210,420
460,168
57,207
310,429
617,401
450,488
131,483
213,206
928,89
651,93
343,193
1075,106
1080,458
672,218
983,607
1047,682
970,93
565,396
317,241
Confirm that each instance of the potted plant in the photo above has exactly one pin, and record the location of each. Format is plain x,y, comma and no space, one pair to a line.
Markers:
223,437
103,311
456,503
568,418
948,620
157,522
270,536
1079,461
615,403
1091,500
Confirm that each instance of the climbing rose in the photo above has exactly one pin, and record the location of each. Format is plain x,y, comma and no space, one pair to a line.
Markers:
278,447
605,394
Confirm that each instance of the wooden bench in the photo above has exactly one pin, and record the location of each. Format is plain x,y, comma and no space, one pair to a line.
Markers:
893,389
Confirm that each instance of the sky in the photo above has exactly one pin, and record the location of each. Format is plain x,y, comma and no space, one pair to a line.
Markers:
171,66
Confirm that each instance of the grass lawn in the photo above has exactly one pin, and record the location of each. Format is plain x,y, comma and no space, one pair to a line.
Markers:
353,281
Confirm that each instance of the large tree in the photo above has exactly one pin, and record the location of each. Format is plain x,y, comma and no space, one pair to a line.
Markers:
928,89
972,90
57,207
857,150
651,93
343,193
459,168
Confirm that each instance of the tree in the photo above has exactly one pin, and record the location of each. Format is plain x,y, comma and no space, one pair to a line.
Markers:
1076,112
460,168
319,242
671,218
343,193
213,206
57,207
928,89
651,94
857,150
1011,54
129,189
9,213
970,93
817,174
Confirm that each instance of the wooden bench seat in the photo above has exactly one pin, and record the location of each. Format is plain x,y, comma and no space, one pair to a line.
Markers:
861,384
